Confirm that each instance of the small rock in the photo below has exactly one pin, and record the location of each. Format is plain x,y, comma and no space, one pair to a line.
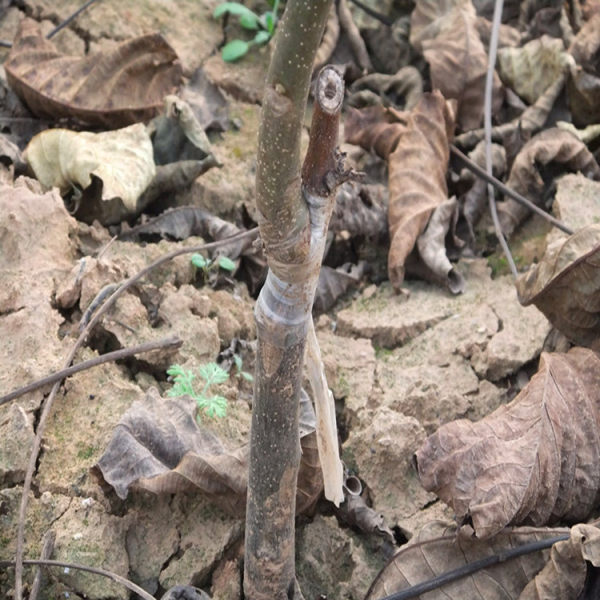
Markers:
390,320
16,433
349,367
90,536
381,452
206,532
333,561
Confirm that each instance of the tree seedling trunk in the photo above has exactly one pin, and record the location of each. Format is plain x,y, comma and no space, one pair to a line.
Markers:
294,207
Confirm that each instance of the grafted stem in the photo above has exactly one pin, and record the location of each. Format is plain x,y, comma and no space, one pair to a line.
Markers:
294,215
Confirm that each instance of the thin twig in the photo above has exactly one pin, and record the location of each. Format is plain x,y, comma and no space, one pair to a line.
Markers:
47,549
92,362
50,399
487,124
475,168
473,567
69,19
59,563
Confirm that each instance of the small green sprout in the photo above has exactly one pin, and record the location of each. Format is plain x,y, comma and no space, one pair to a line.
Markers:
237,359
183,383
208,264
264,25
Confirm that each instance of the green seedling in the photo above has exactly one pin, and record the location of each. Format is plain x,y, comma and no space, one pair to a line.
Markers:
263,24
237,359
208,264
213,405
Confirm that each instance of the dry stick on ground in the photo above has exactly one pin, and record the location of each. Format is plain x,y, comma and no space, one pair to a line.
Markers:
293,218
58,563
168,342
47,549
50,399
475,168
487,123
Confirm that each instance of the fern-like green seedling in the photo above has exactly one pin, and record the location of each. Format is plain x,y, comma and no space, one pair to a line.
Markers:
213,405
264,25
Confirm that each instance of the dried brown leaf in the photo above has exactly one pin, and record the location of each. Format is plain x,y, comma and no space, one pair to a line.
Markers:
552,147
112,89
535,460
109,170
376,129
402,90
446,33
565,286
564,575
584,96
585,46
429,19
458,64
334,283
361,210
432,246
157,446
416,192
437,549
532,68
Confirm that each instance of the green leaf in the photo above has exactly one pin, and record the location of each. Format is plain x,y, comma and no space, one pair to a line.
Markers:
261,37
249,22
234,50
268,22
246,376
237,359
213,373
248,18
183,381
226,263
199,261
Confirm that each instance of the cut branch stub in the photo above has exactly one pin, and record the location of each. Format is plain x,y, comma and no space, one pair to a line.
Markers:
320,156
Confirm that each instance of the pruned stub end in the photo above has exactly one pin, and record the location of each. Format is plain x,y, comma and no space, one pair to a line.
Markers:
330,89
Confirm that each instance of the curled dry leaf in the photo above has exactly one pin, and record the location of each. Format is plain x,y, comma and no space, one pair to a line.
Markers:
584,81
178,135
530,69
157,446
531,120
432,246
402,90
564,575
415,191
409,140
361,210
437,549
565,286
535,460
376,129
475,199
552,147
123,85
447,34
334,283
109,170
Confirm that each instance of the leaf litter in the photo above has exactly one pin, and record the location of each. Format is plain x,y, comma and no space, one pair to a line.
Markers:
389,340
